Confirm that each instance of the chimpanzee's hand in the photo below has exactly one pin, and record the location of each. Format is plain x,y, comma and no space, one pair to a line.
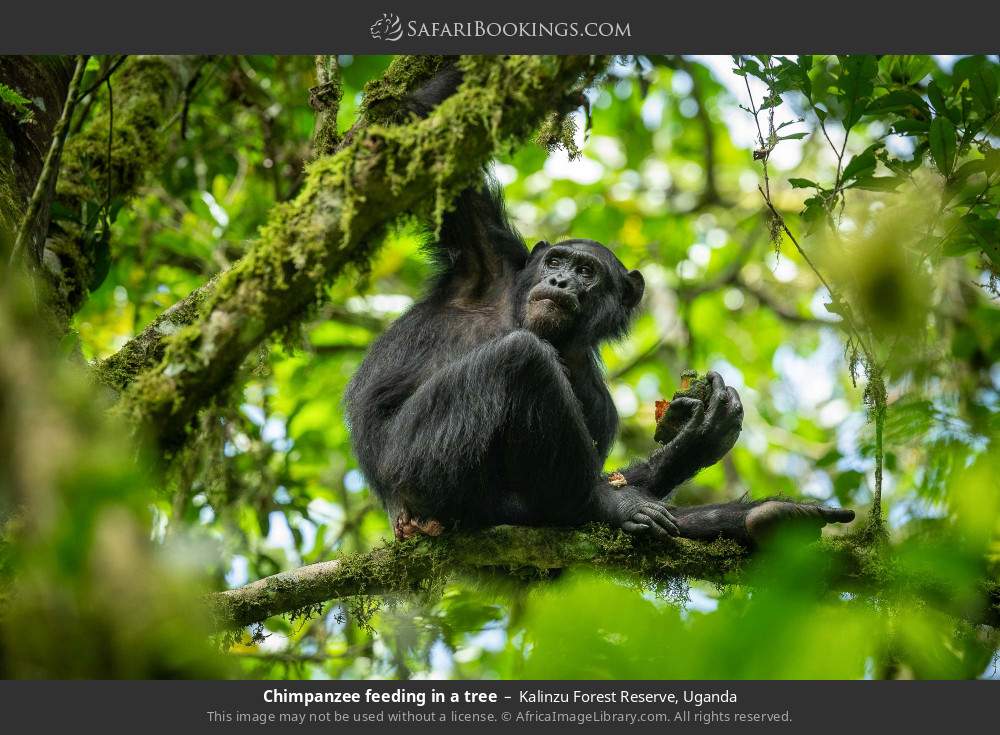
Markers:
709,428
635,512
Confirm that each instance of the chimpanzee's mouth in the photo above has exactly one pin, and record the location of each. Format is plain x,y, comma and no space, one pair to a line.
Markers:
558,297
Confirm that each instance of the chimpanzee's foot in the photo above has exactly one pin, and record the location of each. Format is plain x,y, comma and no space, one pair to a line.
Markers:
764,519
407,526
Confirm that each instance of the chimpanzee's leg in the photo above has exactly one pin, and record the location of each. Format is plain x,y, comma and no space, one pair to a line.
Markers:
501,421
752,522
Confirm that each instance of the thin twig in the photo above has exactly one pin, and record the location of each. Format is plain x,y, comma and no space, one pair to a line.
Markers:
45,186
104,77
779,309
848,319
111,132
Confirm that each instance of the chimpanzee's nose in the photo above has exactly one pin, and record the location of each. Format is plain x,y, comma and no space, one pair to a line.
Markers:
558,281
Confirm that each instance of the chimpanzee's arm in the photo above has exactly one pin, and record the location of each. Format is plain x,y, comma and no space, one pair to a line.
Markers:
710,430
476,244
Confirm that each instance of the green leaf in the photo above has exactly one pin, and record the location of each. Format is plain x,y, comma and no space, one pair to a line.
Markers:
986,231
959,244
983,85
798,183
802,74
993,160
834,307
936,96
903,168
910,127
896,101
846,485
830,458
771,100
60,212
814,209
917,66
862,165
969,168
793,136
981,76
878,183
943,144
856,85
102,258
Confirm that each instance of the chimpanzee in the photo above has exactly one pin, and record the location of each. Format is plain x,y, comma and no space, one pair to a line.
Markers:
486,404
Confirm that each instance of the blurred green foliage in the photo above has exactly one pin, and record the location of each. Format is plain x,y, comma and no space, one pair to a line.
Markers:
884,170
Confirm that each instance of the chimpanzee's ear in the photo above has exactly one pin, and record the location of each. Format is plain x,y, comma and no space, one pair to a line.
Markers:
634,287
539,246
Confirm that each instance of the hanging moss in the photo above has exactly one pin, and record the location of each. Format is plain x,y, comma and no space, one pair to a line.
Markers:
559,131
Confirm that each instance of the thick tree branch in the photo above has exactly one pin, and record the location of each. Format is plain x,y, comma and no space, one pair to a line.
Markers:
849,563
384,171
417,564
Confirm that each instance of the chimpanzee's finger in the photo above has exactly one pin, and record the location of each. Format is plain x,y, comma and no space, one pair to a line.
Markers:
735,404
662,518
689,410
718,396
634,528
651,525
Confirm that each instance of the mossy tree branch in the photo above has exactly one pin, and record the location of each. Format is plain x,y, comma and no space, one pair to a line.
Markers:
381,99
532,553
383,172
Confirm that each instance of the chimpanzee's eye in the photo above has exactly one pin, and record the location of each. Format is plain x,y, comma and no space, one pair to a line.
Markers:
552,262
585,270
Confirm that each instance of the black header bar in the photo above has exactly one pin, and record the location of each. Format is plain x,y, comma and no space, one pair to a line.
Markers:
511,26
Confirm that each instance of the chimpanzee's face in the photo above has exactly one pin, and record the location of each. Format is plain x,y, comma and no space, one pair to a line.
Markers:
578,291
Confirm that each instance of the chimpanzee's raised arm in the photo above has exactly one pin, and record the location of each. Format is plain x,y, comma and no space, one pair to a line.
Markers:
476,244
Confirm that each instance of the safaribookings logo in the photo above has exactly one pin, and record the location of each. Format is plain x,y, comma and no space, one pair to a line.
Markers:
387,28
390,28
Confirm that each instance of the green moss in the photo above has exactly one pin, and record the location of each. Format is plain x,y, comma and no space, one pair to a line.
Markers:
383,97
146,350
145,93
11,207
559,131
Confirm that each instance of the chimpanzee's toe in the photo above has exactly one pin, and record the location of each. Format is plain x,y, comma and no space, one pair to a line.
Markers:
407,526
429,527
836,515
